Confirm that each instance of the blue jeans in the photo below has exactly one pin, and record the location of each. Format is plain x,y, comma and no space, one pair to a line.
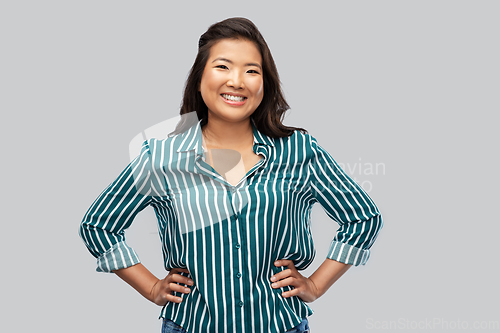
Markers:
171,327
303,327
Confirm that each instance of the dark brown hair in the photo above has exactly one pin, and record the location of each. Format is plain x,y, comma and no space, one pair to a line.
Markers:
269,114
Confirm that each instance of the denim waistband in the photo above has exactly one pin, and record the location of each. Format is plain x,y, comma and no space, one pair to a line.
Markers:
169,326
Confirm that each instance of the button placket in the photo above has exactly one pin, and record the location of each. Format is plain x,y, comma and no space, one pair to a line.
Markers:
233,197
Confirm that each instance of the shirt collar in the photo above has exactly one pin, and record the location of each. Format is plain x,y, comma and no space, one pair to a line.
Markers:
192,139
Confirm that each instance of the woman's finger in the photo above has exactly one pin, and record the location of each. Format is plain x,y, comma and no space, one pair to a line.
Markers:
281,262
281,275
172,298
163,296
284,262
181,279
177,287
290,293
289,281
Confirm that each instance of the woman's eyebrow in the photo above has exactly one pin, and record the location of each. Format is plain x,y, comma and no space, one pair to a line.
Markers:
229,61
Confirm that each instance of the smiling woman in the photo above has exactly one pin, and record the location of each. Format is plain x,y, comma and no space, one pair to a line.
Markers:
232,89
232,83
269,113
233,192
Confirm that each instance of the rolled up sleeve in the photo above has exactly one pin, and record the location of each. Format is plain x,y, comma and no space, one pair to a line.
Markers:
103,226
348,204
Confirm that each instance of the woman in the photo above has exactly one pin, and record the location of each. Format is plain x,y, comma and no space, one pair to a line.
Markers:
232,189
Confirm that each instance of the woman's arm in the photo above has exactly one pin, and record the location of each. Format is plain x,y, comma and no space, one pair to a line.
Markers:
156,290
312,288
346,203
105,222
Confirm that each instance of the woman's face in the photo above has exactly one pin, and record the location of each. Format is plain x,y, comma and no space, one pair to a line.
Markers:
232,85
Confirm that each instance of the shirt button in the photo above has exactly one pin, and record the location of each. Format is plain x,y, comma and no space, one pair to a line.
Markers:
237,246
240,303
238,275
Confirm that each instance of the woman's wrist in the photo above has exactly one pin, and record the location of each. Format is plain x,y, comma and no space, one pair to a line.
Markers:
152,293
139,278
327,274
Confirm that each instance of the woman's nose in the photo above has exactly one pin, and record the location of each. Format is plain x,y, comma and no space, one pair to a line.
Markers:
236,81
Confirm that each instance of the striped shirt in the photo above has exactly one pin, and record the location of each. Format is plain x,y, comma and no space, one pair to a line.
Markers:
228,237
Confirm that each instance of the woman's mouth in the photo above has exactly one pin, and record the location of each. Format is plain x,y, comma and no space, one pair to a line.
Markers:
233,100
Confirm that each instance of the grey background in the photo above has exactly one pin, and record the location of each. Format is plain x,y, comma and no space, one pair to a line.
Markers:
409,84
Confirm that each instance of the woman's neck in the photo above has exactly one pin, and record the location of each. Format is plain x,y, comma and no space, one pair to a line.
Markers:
225,135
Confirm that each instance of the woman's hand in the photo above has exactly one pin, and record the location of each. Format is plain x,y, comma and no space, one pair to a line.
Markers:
161,293
303,287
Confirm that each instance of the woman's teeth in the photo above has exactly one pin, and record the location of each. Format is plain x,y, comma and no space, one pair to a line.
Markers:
234,98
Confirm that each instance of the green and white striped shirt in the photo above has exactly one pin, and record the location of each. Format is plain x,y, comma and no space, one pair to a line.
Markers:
228,237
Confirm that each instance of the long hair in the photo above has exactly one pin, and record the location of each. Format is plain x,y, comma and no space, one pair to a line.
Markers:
268,117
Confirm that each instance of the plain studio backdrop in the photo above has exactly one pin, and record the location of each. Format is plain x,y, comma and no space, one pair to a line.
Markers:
401,93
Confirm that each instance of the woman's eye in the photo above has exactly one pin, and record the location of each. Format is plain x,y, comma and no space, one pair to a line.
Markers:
221,66
253,71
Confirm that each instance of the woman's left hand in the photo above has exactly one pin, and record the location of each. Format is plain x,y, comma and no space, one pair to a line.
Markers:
303,287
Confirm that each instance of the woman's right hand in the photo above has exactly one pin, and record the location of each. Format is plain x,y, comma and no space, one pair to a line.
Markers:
162,291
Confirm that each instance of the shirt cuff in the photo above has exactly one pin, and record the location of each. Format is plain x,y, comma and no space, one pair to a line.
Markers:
119,256
347,254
